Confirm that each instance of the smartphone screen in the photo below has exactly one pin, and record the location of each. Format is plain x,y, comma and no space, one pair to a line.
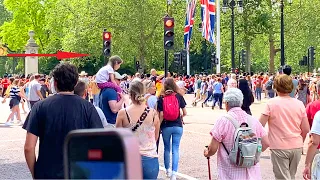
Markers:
96,157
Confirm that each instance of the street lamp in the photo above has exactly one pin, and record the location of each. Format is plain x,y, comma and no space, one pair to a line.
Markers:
282,60
232,5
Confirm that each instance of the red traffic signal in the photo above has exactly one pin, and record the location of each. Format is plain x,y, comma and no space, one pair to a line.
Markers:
169,23
106,36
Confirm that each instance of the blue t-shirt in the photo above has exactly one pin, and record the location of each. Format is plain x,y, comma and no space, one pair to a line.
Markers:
295,84
107,95
217,88
152,101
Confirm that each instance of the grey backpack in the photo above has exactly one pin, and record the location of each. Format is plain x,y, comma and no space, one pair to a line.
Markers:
246,147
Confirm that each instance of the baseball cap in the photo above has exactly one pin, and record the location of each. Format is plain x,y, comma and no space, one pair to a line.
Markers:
118,76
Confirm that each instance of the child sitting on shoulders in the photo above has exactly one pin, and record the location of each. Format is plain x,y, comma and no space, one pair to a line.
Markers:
105,76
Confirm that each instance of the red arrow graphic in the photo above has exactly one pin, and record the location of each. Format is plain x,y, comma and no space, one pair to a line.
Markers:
59,55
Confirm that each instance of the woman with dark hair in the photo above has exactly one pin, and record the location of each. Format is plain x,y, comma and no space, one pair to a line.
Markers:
303,93
248,98
169,105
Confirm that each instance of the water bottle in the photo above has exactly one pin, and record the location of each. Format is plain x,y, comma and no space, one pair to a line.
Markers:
259,150
259,145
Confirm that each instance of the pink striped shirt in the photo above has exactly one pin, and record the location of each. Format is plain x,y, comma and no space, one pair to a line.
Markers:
223,131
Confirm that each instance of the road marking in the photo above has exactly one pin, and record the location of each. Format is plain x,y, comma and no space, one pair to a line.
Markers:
179,174
12,140
199,133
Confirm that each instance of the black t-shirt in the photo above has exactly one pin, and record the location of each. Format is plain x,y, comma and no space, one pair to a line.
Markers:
178,122
51,120
44,89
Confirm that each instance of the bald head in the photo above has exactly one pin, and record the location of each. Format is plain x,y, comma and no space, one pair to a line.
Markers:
153,72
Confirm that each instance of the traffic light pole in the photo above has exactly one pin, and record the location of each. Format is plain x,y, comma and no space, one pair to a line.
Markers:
282,34
218,36
233,64
240,61
166,56
308,62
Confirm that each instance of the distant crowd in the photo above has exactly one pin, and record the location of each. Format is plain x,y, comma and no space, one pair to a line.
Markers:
153,105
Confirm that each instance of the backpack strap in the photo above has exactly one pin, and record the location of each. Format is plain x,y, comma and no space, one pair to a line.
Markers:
232,120
235,124
250,123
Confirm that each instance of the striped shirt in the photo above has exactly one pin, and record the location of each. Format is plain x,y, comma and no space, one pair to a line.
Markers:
14,92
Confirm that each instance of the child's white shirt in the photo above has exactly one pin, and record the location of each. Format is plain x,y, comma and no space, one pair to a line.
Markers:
103,74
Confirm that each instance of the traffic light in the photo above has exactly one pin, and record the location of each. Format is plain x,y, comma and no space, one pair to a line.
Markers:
301,63
177,58
168,32
106,43
305,61
243,56
184,57
214,59
312,56
137,66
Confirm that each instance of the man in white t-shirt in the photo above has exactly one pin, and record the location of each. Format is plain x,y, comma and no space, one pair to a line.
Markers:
180,83
137,77
83,77
313,145
232,83
34,91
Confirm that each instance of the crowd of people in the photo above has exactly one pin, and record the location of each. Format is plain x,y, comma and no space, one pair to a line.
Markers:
153,105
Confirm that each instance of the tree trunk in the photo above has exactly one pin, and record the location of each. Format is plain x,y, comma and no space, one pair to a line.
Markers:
142,48
248,55
272,54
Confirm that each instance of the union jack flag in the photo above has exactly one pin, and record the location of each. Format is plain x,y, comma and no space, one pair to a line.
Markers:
189,23
208,13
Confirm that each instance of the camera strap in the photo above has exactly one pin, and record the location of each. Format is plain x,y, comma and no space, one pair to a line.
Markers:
141,119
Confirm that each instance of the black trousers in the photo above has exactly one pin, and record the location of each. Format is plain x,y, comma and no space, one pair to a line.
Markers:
218,98
32,103
3,91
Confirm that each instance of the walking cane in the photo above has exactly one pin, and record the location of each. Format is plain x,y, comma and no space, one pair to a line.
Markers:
209,166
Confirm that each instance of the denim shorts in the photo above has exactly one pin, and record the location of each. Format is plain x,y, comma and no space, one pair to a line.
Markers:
13,102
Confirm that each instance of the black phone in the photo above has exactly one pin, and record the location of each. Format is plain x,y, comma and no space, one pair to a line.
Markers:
102,154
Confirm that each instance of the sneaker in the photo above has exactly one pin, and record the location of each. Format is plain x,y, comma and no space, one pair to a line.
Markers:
7,124
168,173
173,177
12,121
20,123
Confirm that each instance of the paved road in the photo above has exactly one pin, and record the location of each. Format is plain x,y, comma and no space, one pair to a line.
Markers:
192,163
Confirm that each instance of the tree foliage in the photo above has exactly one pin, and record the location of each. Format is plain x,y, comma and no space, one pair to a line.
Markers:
137,31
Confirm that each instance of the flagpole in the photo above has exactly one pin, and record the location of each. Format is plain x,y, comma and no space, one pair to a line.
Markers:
188,60
218,36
